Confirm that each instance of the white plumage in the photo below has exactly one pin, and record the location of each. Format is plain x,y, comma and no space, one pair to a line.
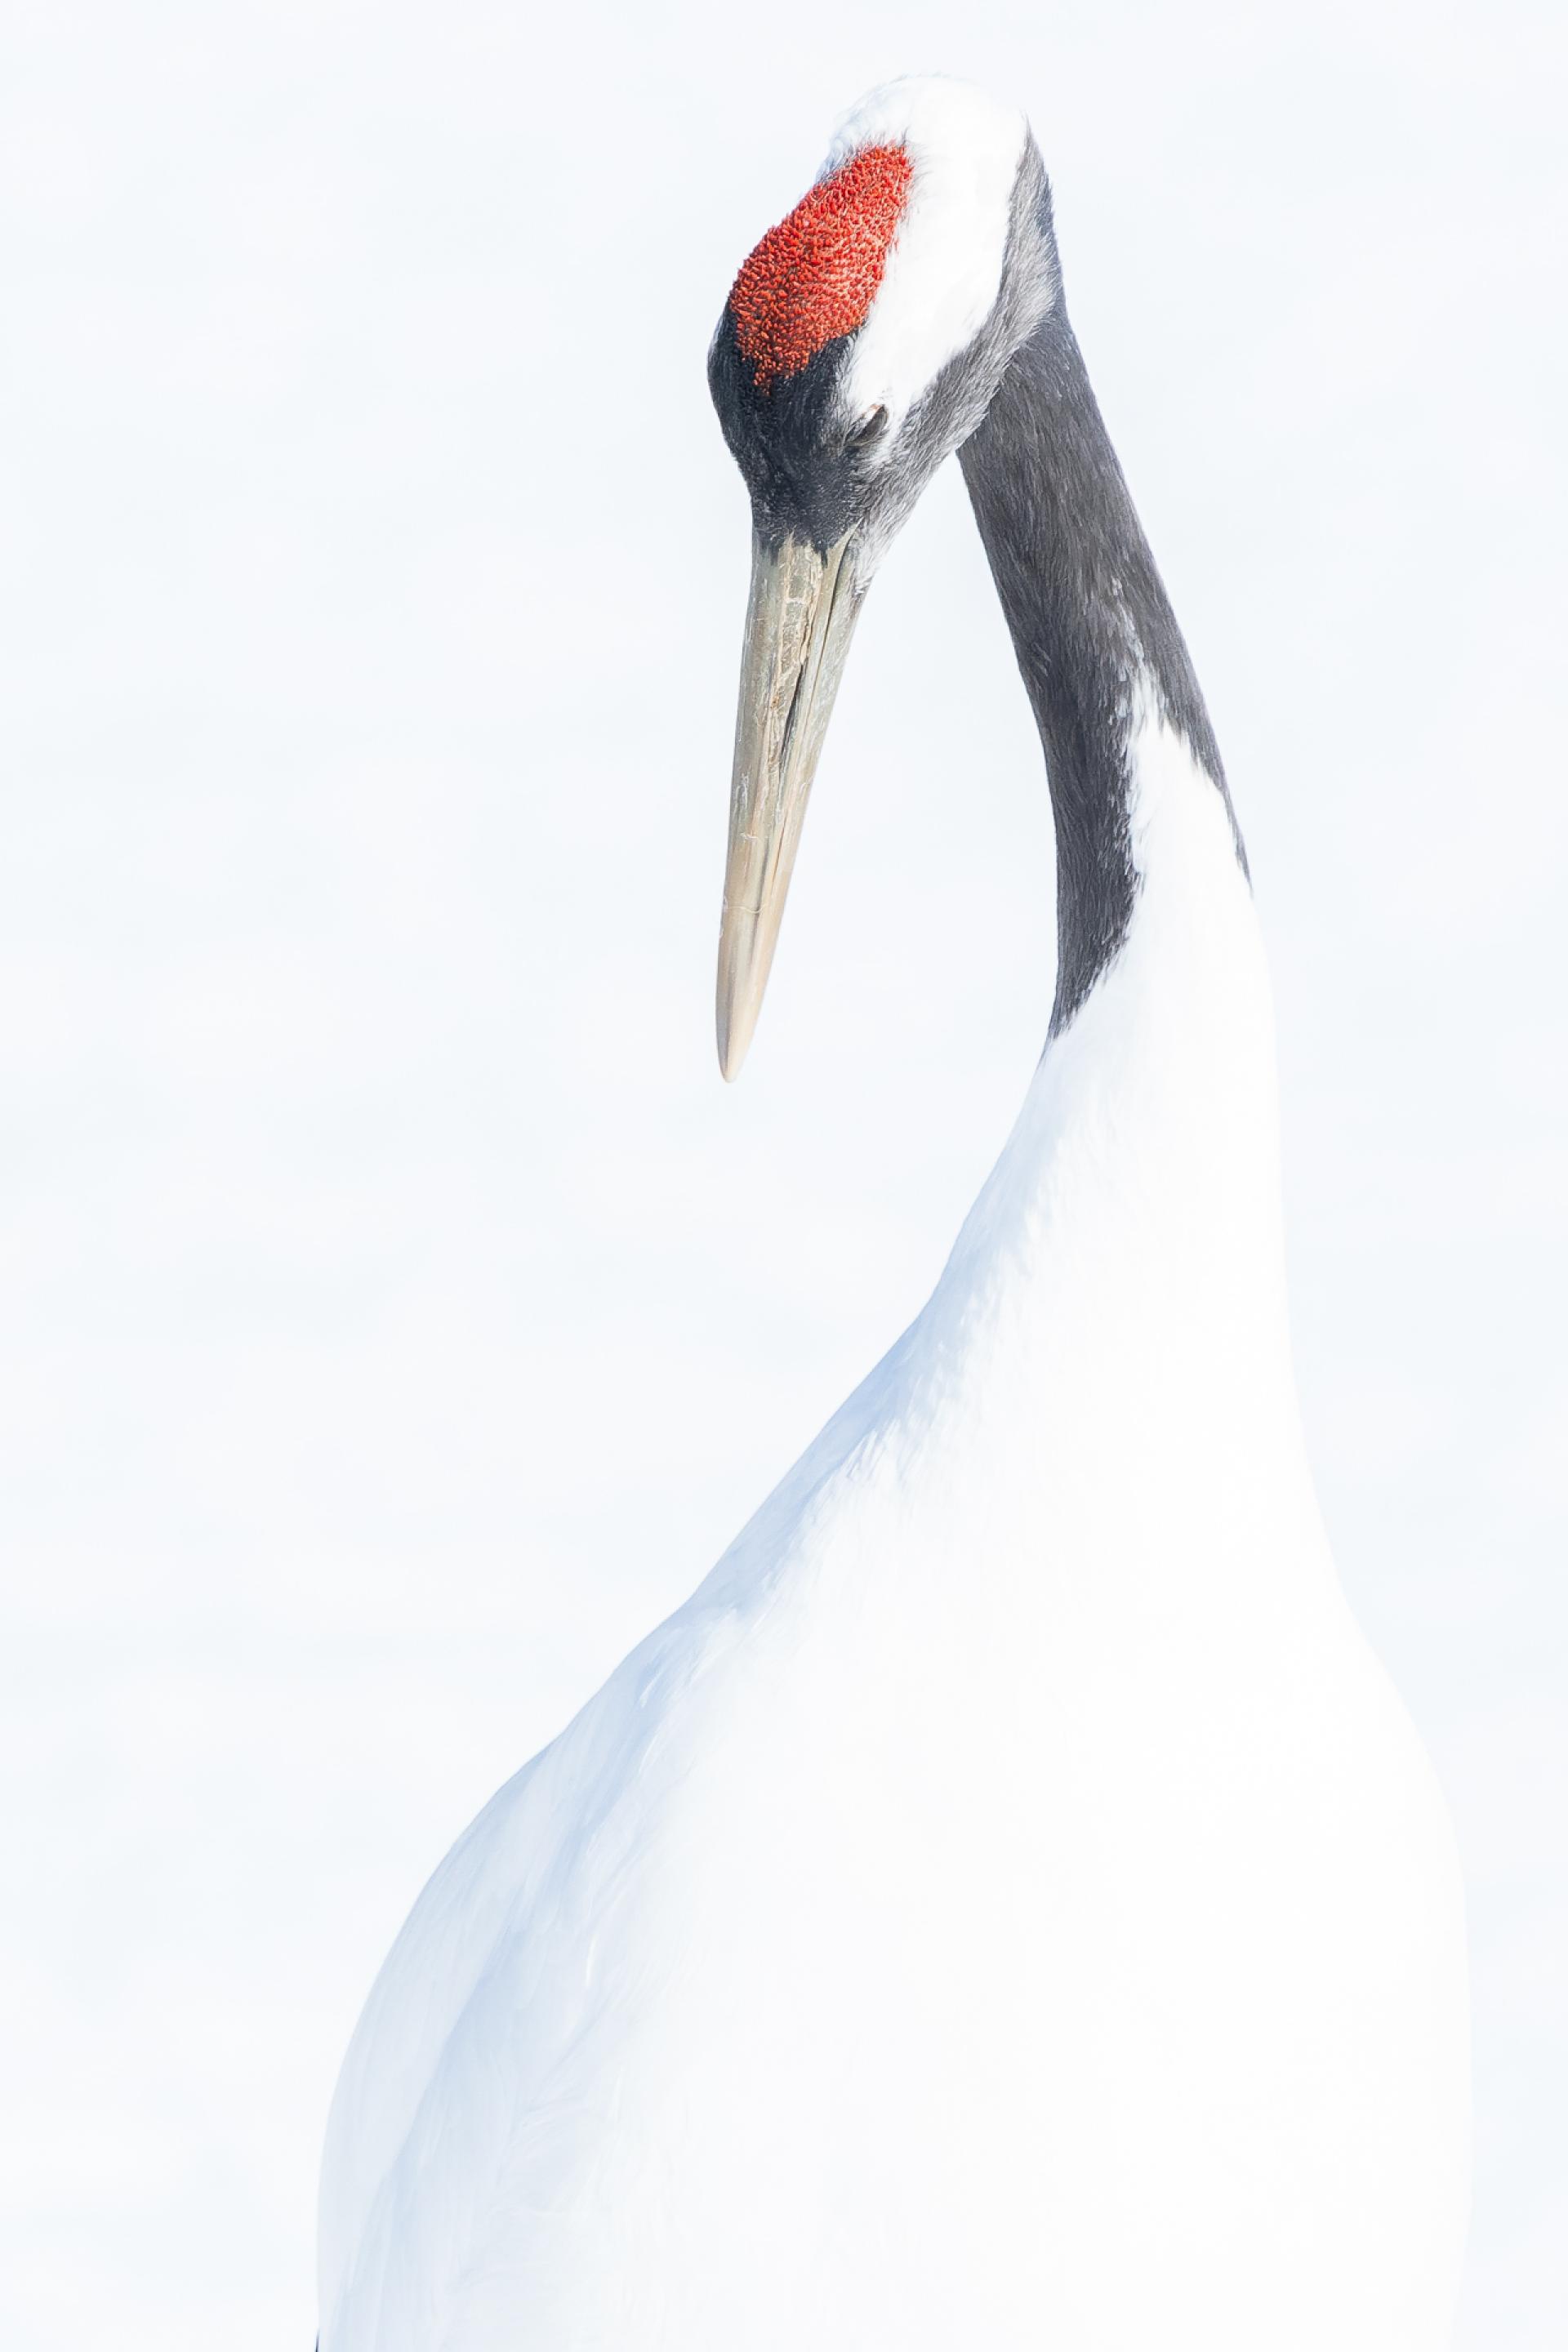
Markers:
1006,1905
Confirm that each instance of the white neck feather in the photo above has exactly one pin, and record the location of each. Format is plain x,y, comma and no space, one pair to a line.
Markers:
1135,1211
1154,1109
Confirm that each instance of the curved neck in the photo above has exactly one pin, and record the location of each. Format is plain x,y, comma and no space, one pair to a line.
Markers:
1093,631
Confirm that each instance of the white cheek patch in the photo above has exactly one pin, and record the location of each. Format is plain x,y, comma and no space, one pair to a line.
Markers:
944,268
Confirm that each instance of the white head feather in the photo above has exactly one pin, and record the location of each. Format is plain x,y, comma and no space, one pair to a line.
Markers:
945,266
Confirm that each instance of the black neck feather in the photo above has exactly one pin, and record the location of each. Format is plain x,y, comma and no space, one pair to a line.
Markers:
1090,621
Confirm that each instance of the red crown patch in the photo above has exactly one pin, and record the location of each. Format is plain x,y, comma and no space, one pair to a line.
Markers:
815,276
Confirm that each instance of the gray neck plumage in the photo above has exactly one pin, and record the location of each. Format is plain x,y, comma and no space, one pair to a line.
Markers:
1092,628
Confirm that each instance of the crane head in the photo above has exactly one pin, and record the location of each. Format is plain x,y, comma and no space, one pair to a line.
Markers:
861,344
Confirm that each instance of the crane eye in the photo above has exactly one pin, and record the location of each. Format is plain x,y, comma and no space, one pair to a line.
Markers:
871,428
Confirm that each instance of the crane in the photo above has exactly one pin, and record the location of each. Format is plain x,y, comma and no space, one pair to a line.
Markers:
1007,1904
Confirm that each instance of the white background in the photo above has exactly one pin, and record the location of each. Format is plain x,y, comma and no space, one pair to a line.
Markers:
398,1314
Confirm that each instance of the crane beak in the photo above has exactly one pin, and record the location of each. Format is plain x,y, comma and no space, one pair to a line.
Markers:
799,620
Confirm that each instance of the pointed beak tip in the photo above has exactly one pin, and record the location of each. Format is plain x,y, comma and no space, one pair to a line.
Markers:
732,1052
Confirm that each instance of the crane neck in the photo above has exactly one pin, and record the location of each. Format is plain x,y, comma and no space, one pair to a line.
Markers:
1142,1176
1096,639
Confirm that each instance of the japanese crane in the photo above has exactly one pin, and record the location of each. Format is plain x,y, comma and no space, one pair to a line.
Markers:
1006,1905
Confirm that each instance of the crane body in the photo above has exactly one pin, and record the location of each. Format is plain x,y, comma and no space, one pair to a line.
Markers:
1007,1904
